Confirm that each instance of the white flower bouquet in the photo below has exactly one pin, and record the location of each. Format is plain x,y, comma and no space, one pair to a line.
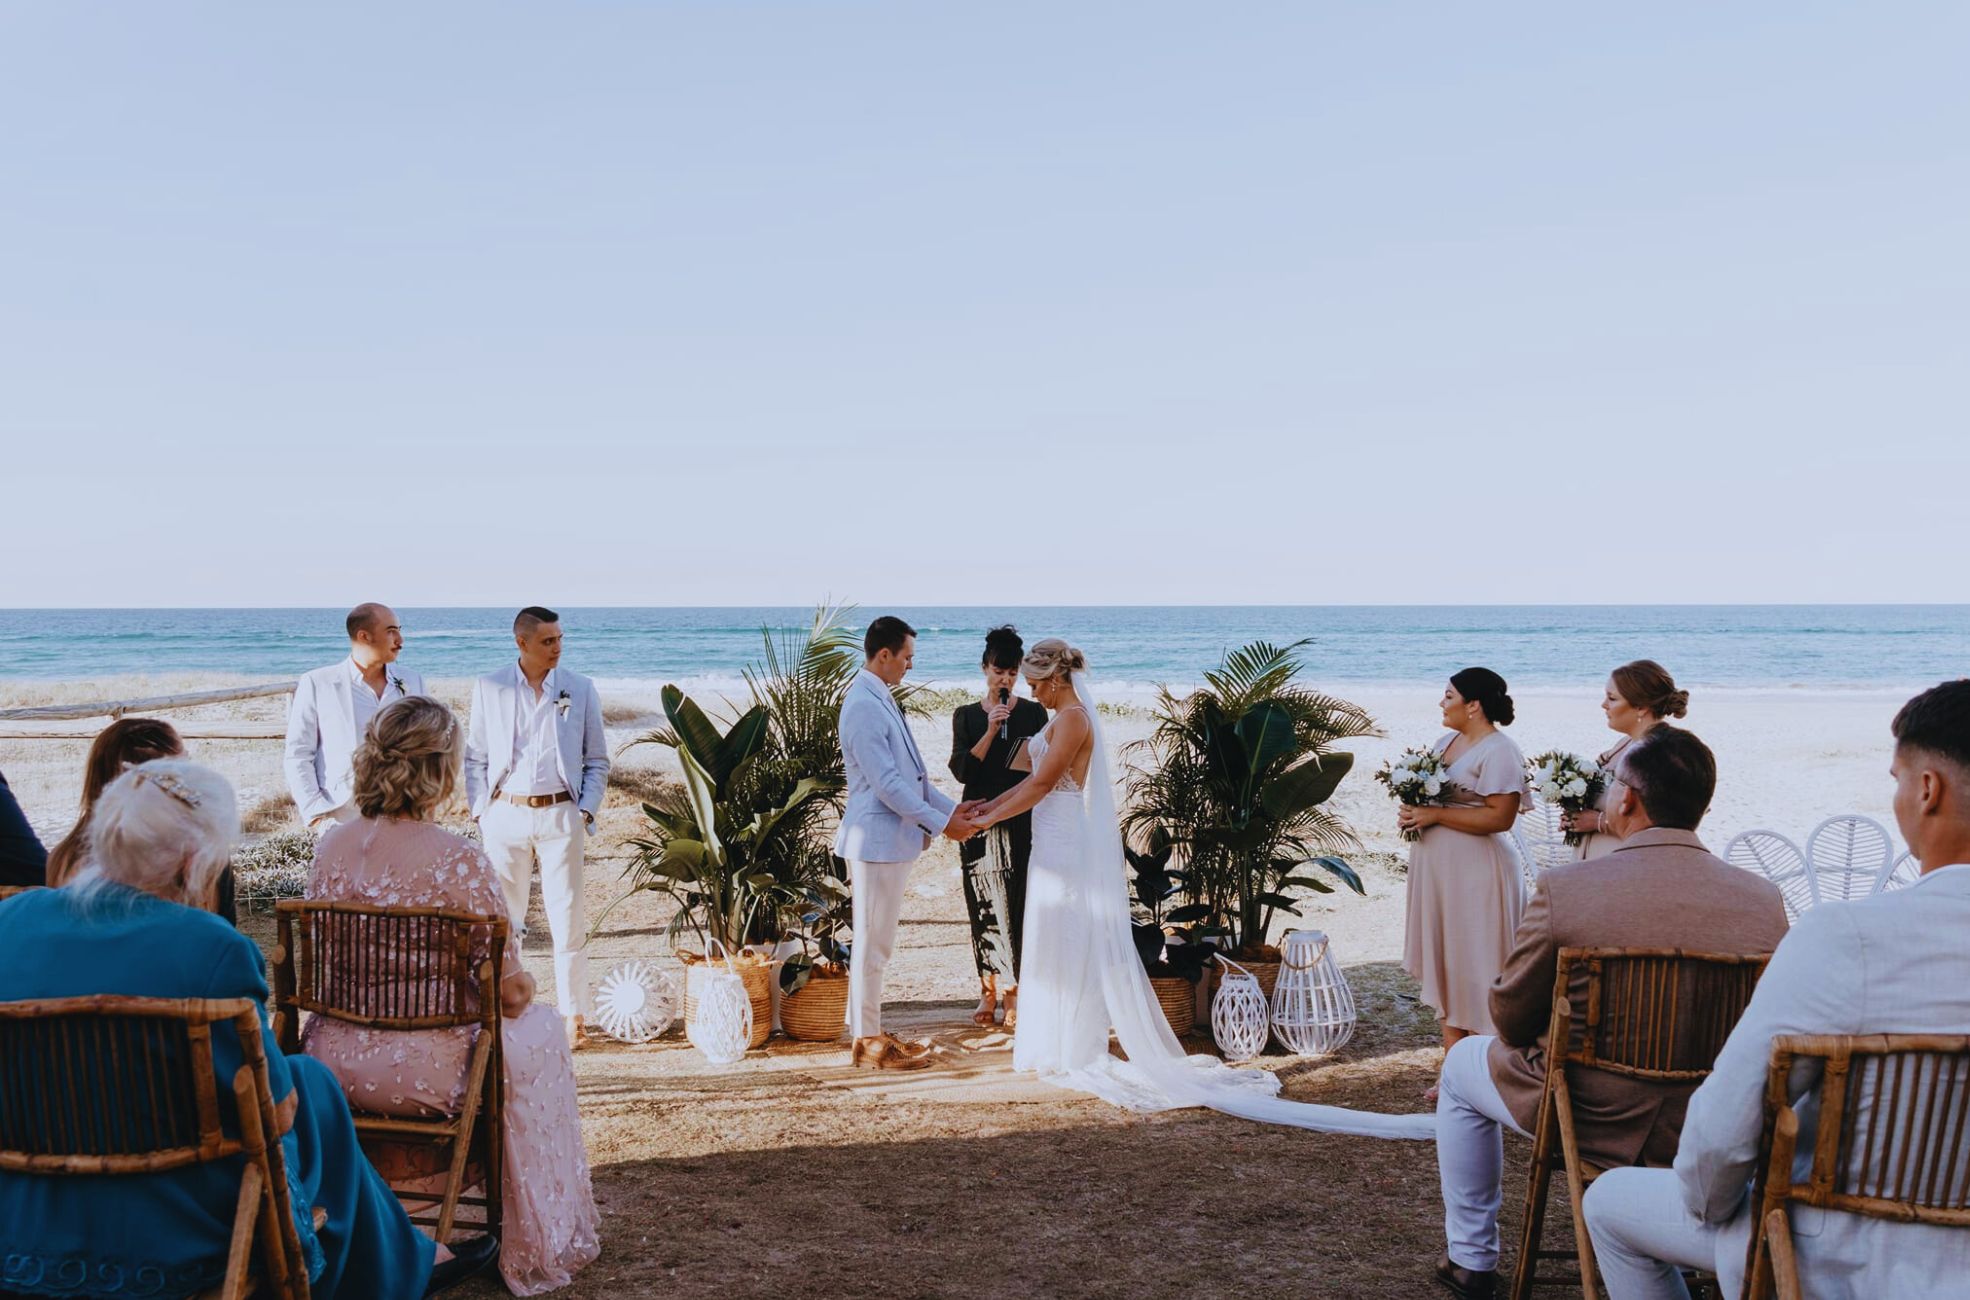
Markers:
1415,777
1567,780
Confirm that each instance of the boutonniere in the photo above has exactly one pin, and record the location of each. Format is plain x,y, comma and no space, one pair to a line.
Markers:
398,682
562,703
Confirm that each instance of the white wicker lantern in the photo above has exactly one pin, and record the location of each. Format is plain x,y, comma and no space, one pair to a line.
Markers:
1238,1014
1312,1005
636,1002
721,1027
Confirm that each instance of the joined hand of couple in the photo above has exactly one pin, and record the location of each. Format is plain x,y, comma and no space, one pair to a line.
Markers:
966,821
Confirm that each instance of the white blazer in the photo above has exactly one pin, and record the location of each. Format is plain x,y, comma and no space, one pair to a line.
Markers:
581,751
1895,963
322,735
893,810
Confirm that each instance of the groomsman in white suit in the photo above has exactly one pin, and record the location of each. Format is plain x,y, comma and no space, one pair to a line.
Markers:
331,710
893,814
536,769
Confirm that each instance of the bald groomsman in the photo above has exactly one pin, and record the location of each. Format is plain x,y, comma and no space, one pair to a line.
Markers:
536,769
331,710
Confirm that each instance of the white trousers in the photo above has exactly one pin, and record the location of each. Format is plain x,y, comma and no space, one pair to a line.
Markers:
876,900
1643,1236
514,837
1470,1152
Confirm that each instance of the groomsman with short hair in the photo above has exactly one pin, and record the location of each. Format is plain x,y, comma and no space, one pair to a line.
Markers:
536,770
331,710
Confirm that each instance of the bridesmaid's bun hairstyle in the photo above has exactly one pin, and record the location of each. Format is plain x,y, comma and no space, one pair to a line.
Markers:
1003,648
407,764
1053,658
1646,684
1487,690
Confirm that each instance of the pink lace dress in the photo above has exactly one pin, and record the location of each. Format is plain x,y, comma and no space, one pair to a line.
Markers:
551,1225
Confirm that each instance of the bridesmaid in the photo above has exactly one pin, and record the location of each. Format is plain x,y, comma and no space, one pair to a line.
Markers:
1641,696
994,864
1465,896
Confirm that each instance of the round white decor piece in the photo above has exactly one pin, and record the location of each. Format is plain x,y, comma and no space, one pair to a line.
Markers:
1313,1008
1239,1016
636,1002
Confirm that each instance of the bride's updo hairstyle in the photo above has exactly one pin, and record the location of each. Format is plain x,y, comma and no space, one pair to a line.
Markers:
1487,690
1053,658
1003,648
1646,684
407,764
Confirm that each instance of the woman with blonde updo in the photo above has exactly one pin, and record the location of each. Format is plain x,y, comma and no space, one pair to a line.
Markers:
1640,697
406,769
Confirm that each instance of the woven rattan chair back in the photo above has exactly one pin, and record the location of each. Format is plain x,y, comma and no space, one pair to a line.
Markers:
8,891
1780,861
115,1086
1901,873
1540,842
1892,1141
1655,1014
410,968
1850,854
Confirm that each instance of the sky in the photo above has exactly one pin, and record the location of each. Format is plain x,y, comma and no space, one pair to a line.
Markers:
749,303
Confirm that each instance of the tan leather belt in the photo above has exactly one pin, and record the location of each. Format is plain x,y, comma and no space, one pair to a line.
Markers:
537,800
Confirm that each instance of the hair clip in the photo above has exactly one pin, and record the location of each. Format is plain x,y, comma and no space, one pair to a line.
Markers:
170,785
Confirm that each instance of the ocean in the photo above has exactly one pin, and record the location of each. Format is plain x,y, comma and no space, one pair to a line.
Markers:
1129,648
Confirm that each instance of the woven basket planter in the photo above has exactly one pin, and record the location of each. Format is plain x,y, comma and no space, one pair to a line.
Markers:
758,976
1267,973
1178,997
819,1012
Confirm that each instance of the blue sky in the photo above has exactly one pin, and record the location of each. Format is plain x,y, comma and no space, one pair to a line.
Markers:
643,303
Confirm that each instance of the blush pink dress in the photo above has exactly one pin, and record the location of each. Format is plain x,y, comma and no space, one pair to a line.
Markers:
1465,893
551,1226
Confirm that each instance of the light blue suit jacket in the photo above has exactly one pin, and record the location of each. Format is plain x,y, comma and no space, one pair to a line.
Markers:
579,743
893,810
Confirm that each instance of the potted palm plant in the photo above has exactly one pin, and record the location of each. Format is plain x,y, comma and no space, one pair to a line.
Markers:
1233,777
744,841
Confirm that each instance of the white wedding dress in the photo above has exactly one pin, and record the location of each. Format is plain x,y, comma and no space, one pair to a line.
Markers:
1080,977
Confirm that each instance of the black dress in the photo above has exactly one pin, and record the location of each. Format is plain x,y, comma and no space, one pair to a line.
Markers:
995,862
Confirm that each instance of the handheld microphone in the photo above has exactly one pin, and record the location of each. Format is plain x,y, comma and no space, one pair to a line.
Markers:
1004,727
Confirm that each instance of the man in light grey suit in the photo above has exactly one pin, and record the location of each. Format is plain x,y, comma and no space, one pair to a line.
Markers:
331,710
536,771
893,814
1895,963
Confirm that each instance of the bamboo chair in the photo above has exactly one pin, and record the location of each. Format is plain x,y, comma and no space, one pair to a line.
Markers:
407,968
1656,1014
8,891
1850,854
1780,861
1892,1141
72,1074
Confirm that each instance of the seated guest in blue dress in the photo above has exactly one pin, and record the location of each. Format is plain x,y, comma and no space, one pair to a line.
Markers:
133,922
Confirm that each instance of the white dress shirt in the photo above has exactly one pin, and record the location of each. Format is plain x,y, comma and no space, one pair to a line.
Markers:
366,701
536,753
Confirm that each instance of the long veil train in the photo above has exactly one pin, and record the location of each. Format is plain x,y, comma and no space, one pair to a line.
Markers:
1159,1074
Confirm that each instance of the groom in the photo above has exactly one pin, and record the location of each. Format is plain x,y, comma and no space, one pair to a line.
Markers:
893,813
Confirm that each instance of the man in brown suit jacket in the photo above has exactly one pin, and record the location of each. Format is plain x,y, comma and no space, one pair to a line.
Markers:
1660,889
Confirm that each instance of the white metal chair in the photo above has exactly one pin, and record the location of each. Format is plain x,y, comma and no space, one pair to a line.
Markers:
1778,860
1849,854
1905,872
1540,843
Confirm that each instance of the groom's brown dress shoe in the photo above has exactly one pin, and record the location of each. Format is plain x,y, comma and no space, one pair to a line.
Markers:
1467,1283
885,1053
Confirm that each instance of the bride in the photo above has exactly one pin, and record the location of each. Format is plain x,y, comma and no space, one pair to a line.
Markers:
1079,975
